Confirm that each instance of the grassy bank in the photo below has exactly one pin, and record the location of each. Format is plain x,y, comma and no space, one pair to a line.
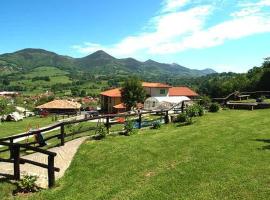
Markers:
221,156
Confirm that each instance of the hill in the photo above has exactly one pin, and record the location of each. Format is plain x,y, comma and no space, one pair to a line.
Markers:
34,71
98,63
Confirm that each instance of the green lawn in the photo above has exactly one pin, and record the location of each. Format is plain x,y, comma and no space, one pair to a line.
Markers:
222,156
12,128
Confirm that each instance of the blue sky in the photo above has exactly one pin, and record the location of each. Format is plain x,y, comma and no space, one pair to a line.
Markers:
226,35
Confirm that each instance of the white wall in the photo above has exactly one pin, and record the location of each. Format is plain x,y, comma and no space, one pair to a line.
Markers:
155,92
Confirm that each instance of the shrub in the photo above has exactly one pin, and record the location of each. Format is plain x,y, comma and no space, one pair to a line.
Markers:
156,125
189,121
194,110
101,133
129,127
261,99
200,110
205,101
214,107
27,184
182,117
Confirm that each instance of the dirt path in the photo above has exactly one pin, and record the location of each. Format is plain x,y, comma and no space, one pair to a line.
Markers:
63,159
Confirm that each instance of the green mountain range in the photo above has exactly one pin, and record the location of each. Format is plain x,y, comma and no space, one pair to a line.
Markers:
98,63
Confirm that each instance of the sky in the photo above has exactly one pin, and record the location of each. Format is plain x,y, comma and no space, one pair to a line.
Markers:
225,35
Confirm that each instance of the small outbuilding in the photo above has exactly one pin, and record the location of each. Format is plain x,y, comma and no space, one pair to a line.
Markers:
15,116
60,107
158,103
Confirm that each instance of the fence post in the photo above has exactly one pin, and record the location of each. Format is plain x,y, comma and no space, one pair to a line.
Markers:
51,175
16,162
108,124
140,121
182,106
62,136
166,117
11,149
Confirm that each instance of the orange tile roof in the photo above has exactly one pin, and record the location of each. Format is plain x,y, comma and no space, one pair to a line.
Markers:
60,104
182,91
112,93
117,91
120,106
155,85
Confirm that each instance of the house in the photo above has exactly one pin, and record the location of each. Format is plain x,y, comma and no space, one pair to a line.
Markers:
111,101
156,89
60,107
9,94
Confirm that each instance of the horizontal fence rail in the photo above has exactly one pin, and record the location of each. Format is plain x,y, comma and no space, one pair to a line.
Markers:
15,148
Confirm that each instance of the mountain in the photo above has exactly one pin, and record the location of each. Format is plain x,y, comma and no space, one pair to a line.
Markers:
28,59
98,63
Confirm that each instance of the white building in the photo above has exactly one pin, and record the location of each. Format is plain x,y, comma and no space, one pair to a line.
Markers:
165,102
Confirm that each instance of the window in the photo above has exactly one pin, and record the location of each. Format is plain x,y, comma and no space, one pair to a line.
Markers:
162,91
153,104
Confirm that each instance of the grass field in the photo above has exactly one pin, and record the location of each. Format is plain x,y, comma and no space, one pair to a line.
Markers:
35,87
12,128
222,156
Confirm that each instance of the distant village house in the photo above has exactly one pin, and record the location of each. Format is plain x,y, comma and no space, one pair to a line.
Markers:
9,94
60,107
111,101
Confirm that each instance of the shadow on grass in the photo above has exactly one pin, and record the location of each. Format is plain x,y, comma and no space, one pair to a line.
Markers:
267,141
184,124
5,177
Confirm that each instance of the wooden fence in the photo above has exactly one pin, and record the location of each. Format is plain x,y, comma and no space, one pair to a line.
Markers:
15,148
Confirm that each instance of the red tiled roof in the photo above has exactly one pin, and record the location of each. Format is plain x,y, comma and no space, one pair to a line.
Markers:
112,93
155,85
182,91
120,106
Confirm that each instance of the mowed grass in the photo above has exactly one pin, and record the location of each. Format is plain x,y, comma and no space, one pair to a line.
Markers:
13,128
222,156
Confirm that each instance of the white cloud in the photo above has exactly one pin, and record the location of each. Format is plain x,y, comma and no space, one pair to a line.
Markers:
87,47
176,29
216,35
166,27
173,5
258,3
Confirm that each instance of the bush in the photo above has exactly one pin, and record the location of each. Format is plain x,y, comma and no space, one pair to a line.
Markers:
205,101
27,184
200,110
129,127
101,133
156,125
214,107
189,121
195,110
182,117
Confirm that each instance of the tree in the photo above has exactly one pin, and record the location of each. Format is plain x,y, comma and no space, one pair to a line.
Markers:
83,93
5,107
264,83
6,82
132,92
